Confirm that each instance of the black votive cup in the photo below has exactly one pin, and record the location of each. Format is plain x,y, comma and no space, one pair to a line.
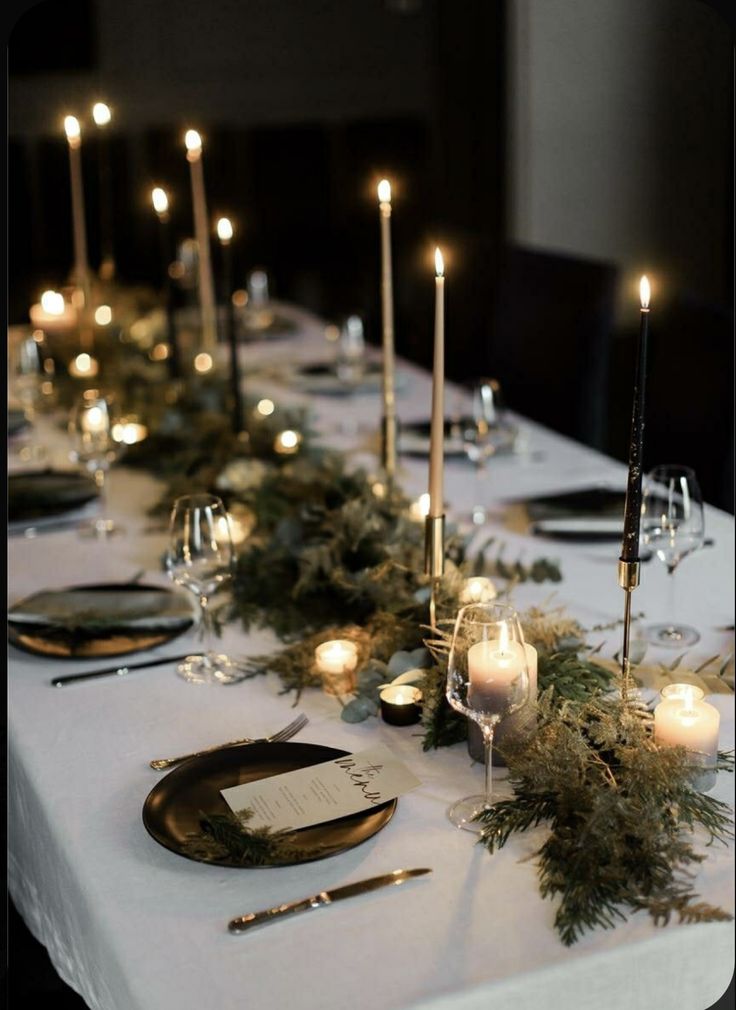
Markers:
407,712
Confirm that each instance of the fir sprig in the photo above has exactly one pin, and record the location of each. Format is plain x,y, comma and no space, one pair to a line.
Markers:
226,836
620,810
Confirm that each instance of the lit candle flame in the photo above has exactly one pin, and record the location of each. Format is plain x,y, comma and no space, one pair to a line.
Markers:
224,229
73,130
160,200
265,407
52,302
439,263
101,113
103,315
289,439
203,362
644,292
193,142
384,191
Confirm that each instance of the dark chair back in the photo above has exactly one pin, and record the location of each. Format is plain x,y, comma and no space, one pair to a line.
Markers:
551,327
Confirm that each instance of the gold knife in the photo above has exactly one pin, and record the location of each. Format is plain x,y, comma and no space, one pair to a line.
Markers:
246,922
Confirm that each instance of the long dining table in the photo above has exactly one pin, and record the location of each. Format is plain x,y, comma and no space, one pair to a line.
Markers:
132,926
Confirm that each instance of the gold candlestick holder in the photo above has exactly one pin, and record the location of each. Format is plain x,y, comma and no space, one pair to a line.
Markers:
628,579
434,560
388,445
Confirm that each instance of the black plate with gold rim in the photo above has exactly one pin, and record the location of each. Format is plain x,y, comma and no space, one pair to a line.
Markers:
35,494
174,806
85,643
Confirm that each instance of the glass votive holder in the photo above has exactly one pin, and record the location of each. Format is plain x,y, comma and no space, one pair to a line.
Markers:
401,704
683,719
335,661
478,589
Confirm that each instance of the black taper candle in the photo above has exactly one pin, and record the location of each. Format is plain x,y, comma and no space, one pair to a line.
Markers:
166,250
225,233
632,513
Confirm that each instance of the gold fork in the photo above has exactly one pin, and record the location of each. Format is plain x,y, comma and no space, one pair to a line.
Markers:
159,764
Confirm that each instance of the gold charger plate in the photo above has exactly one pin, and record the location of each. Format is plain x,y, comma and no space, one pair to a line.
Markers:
34,639
172,810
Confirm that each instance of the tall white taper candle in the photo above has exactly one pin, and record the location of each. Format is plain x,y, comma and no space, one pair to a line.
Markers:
207,303
81,263
437,432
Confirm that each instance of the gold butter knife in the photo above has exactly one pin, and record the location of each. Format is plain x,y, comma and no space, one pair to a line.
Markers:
246,922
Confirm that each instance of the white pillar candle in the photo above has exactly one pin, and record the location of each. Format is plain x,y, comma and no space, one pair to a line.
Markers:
688,722
437,431
193,143
387,301
493,666
81,262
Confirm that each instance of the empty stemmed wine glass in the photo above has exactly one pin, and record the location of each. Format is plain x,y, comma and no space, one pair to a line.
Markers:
200,558
91,429
487,678
27,371
673,526
478,443
350,358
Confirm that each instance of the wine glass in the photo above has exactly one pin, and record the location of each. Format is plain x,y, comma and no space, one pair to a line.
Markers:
350,359
478,441
487,678
27,372
673,526
91,429
200,558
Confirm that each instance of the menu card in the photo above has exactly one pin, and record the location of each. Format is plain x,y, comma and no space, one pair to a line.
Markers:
323,792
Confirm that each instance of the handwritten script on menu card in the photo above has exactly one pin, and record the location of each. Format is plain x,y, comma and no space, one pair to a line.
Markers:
323,792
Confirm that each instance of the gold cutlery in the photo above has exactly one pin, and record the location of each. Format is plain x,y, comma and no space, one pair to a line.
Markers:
159,764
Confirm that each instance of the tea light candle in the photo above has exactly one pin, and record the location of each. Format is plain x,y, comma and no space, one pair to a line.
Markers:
52,313
287,442
84,366
129,432
400,704
419,509
683,719
335,661
478,590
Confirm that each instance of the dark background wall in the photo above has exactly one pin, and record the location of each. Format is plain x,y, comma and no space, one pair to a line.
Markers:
594,134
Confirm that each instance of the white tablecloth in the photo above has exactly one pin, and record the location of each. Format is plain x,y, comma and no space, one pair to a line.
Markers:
132,926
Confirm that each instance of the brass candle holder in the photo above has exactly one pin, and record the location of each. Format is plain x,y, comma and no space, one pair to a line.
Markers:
628,579
434,560
388,444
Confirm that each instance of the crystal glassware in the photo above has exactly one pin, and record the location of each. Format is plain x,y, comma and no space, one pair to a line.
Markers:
27,376
478,442
672,526
200,558
487,679
91,429
350,358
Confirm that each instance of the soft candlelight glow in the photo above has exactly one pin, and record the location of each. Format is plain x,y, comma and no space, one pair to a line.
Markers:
478,590
265,407
419,509
384,191
73,131
379,489
84,366
160,200
159,352
287,442
439,263
94,420
128,432
644,292
193,142
335,661
101,113
53,303
103,315
683,719
203,362
224,230
400,704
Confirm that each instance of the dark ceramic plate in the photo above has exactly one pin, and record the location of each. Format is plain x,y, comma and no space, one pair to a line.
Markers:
173,807
414,437
40,493
55,643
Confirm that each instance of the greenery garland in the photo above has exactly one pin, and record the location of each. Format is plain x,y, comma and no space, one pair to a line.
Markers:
226,836
620,809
